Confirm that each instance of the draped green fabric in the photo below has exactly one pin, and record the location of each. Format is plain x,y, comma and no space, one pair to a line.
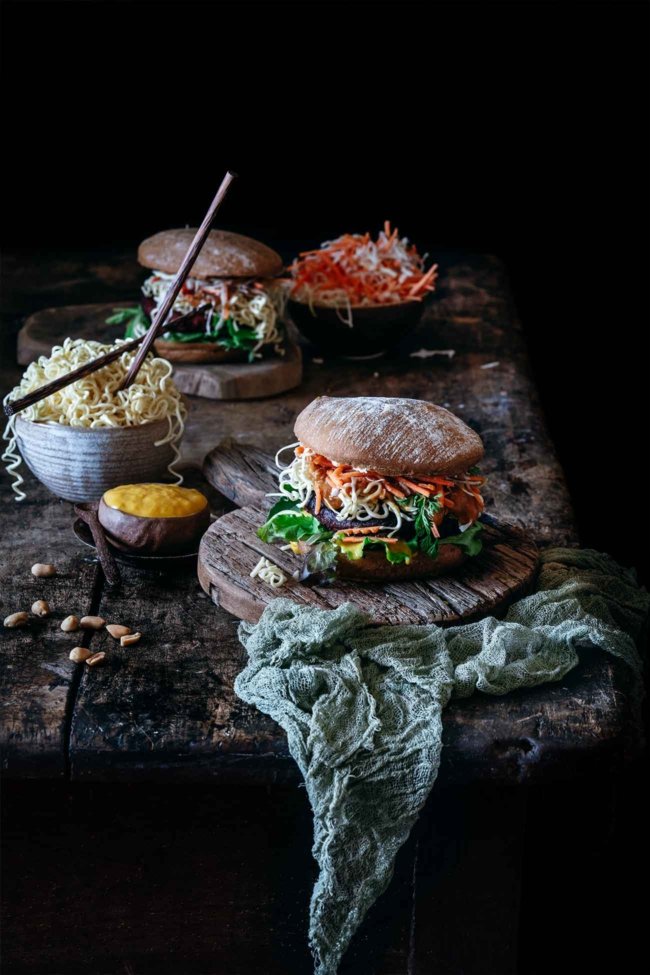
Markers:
362,709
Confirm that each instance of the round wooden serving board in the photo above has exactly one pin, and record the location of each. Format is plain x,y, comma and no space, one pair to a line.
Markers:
230,380
230,550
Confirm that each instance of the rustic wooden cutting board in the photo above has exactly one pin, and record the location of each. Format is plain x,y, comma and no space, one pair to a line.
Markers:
230,550
230,380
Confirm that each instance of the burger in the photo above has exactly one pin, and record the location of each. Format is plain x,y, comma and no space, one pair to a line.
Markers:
233,290
379,489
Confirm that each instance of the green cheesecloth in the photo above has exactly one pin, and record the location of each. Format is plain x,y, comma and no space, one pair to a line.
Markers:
362,709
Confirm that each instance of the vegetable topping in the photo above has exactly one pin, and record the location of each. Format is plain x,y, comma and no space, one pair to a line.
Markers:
368,496
359,495
355,270
243,314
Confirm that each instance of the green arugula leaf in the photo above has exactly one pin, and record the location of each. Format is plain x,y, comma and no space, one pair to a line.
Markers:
241,338
427,508
469,540
134,319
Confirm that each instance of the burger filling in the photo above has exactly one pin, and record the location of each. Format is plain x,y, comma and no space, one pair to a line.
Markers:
241,314
327,509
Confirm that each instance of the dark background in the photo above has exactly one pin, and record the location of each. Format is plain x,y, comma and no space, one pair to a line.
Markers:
517,128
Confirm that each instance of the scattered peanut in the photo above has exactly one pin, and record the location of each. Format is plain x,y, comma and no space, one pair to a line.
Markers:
91,622
16,619
96,658
79,654
130,639
41,608
43,569
116,630
70,624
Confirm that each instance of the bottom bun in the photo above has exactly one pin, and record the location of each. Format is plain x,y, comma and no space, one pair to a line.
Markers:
375,567
198,352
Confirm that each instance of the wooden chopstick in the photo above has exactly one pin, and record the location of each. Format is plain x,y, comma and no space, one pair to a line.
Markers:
177,283
12,407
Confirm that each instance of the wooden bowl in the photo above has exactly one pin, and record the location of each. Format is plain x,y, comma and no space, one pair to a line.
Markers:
78,464
375,328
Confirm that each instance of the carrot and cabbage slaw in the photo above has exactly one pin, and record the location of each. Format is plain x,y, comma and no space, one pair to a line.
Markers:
356,270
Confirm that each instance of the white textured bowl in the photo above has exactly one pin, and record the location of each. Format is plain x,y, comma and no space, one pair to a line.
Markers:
80,464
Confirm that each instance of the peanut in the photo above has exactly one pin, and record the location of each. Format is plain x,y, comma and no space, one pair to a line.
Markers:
79,654
70,624
130,639
41,608
96,658
92,622
43,569
116,630
16,619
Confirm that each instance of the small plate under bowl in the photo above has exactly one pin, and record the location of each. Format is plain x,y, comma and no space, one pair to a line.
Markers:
149,563
374,329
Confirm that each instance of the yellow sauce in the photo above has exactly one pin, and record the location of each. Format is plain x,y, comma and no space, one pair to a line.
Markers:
155,500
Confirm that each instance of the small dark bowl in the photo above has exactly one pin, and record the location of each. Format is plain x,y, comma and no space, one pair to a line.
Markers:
375,327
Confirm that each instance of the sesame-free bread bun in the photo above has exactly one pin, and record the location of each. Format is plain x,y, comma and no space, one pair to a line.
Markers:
389,436
375,567
224,255
198,352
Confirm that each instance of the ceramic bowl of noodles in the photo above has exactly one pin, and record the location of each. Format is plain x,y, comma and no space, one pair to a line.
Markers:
90,436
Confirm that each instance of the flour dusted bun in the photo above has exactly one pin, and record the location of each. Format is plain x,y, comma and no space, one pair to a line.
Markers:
375,567
389,436
224,255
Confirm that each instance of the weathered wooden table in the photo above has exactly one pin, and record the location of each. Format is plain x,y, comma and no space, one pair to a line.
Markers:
164,713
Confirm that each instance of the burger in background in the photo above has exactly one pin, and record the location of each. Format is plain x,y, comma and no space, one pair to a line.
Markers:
379,489
233,276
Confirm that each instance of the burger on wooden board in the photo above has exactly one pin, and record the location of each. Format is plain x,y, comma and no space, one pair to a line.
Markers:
233,275
379,489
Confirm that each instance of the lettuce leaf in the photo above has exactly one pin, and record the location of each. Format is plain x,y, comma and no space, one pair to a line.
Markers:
396,553
469,540
288,523
134,320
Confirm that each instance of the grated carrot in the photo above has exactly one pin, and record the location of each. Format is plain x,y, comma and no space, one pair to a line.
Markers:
418,488
355,270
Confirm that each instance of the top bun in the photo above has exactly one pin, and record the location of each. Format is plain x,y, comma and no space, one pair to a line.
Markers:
389,436
224,255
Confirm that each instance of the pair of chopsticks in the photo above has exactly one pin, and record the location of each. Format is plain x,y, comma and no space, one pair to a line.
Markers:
145,341
16,406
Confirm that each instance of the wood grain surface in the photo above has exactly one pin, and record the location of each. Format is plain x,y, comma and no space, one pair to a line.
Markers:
37,678
165,709
225,380
242,380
